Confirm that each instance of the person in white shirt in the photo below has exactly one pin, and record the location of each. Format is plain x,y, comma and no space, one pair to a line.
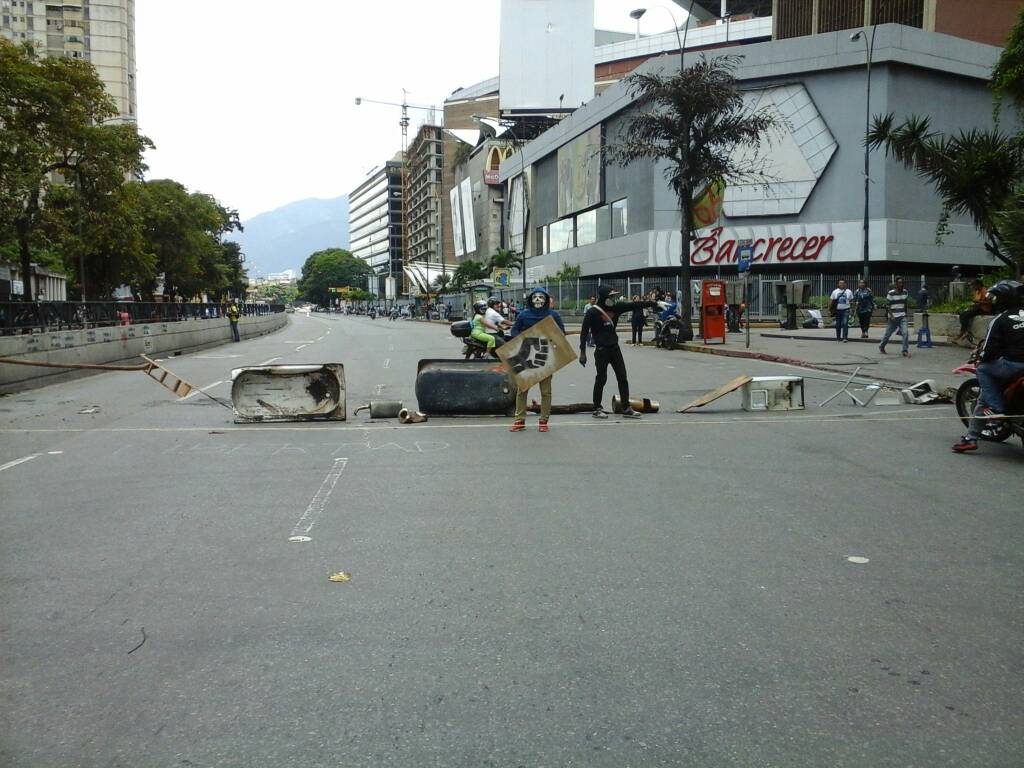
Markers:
493,317
841,299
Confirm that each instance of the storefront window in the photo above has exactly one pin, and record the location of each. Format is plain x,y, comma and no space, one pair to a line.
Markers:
586,228
620,222
560,235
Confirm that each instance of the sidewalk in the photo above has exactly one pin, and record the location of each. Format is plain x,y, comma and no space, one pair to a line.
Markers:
819,349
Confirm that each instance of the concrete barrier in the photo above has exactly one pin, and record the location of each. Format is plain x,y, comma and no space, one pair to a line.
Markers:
112,344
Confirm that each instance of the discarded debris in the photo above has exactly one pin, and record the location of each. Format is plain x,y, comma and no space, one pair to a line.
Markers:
714,394
405,416
381,409
534,407
289,393
340,577
641,404
90,409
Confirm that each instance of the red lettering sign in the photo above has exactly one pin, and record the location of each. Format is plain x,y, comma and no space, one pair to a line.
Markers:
711,249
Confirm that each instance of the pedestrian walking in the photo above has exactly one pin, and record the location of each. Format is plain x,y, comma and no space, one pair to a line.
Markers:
637,321
896,311
537,307
864,305
841,300
599,323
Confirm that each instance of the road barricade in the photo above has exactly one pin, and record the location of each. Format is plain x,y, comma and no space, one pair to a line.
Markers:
464,387
289,393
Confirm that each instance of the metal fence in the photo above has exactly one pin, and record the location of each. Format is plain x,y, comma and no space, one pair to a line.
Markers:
570,297
43,316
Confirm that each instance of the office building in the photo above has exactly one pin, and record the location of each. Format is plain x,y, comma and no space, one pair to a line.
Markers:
375,226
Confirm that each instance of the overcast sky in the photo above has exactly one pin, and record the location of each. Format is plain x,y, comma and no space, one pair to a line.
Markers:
252,101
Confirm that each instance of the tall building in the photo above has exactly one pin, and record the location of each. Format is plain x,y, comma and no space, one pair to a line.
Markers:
427,208
375,226
101,32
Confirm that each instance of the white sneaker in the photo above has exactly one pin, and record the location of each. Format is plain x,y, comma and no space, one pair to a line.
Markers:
600,414
629,413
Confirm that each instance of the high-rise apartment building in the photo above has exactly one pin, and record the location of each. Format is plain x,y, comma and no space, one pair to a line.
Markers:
375,226
427,208
101,32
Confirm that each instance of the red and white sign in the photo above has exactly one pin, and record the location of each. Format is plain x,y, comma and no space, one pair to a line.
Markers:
719,246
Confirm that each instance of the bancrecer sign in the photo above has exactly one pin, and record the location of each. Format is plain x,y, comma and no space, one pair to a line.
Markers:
712,249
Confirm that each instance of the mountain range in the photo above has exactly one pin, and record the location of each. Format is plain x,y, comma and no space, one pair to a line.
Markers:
285,237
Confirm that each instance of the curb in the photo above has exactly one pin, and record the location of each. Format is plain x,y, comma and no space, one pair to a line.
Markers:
801,337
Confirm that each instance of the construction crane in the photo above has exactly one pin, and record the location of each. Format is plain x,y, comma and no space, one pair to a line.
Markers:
404,123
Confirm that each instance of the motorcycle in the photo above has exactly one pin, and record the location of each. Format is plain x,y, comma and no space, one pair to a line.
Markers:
472,349
1013,395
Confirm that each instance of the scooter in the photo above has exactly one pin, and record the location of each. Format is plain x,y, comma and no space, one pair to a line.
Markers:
1013,395
472,349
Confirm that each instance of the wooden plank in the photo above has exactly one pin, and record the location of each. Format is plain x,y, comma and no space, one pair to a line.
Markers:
714,394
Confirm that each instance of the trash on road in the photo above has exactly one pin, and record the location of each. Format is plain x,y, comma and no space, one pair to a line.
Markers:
340,577
534,407
405,416
714,394
641,404
289,393
382,409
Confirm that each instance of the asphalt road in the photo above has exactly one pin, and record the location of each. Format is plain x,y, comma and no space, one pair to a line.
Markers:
670,592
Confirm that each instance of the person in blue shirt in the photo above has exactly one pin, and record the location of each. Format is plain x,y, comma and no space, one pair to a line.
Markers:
538,306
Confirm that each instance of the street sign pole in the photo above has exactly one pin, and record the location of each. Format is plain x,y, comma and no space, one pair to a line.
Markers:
744,259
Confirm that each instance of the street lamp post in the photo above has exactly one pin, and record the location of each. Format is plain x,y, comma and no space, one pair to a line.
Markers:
869,48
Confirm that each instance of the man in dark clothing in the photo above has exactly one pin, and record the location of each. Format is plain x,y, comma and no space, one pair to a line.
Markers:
599,325
1001,358
538,306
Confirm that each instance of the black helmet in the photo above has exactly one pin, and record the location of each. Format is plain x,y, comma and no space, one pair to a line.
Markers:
1006,294
493,301
480,306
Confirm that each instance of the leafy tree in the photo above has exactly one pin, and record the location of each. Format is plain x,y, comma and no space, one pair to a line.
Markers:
278,293
331,268
184,231
442,281
694,120
52,112
467,272
1008,73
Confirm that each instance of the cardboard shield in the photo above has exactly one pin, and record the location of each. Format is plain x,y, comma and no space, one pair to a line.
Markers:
536,353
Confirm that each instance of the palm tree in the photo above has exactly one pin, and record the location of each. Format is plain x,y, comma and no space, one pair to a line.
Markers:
467,272
975,173
441,282
693,120
504,259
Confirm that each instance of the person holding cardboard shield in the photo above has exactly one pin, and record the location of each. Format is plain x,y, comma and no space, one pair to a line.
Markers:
538,307
599,323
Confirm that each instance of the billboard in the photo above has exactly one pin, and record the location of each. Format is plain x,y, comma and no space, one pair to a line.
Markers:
469,225
579,173
460,247
546,60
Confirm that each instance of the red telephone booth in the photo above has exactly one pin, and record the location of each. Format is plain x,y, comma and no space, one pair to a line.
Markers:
712,309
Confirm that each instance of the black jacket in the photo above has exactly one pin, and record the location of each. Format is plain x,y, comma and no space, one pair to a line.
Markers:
1005,337
601,324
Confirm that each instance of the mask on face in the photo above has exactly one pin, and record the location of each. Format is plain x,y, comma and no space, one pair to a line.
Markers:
538,301
609,302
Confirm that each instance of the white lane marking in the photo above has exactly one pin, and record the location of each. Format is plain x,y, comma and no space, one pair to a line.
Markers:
54,453
300,532
498,423
268,362
16,462
391,347
302,346
858,559
201,389
387,363
321,337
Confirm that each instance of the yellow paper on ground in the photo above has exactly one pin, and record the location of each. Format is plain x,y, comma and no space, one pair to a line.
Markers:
536,353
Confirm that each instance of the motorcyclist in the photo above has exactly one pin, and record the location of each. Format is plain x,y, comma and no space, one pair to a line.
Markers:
493,315
484,330
1001,358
